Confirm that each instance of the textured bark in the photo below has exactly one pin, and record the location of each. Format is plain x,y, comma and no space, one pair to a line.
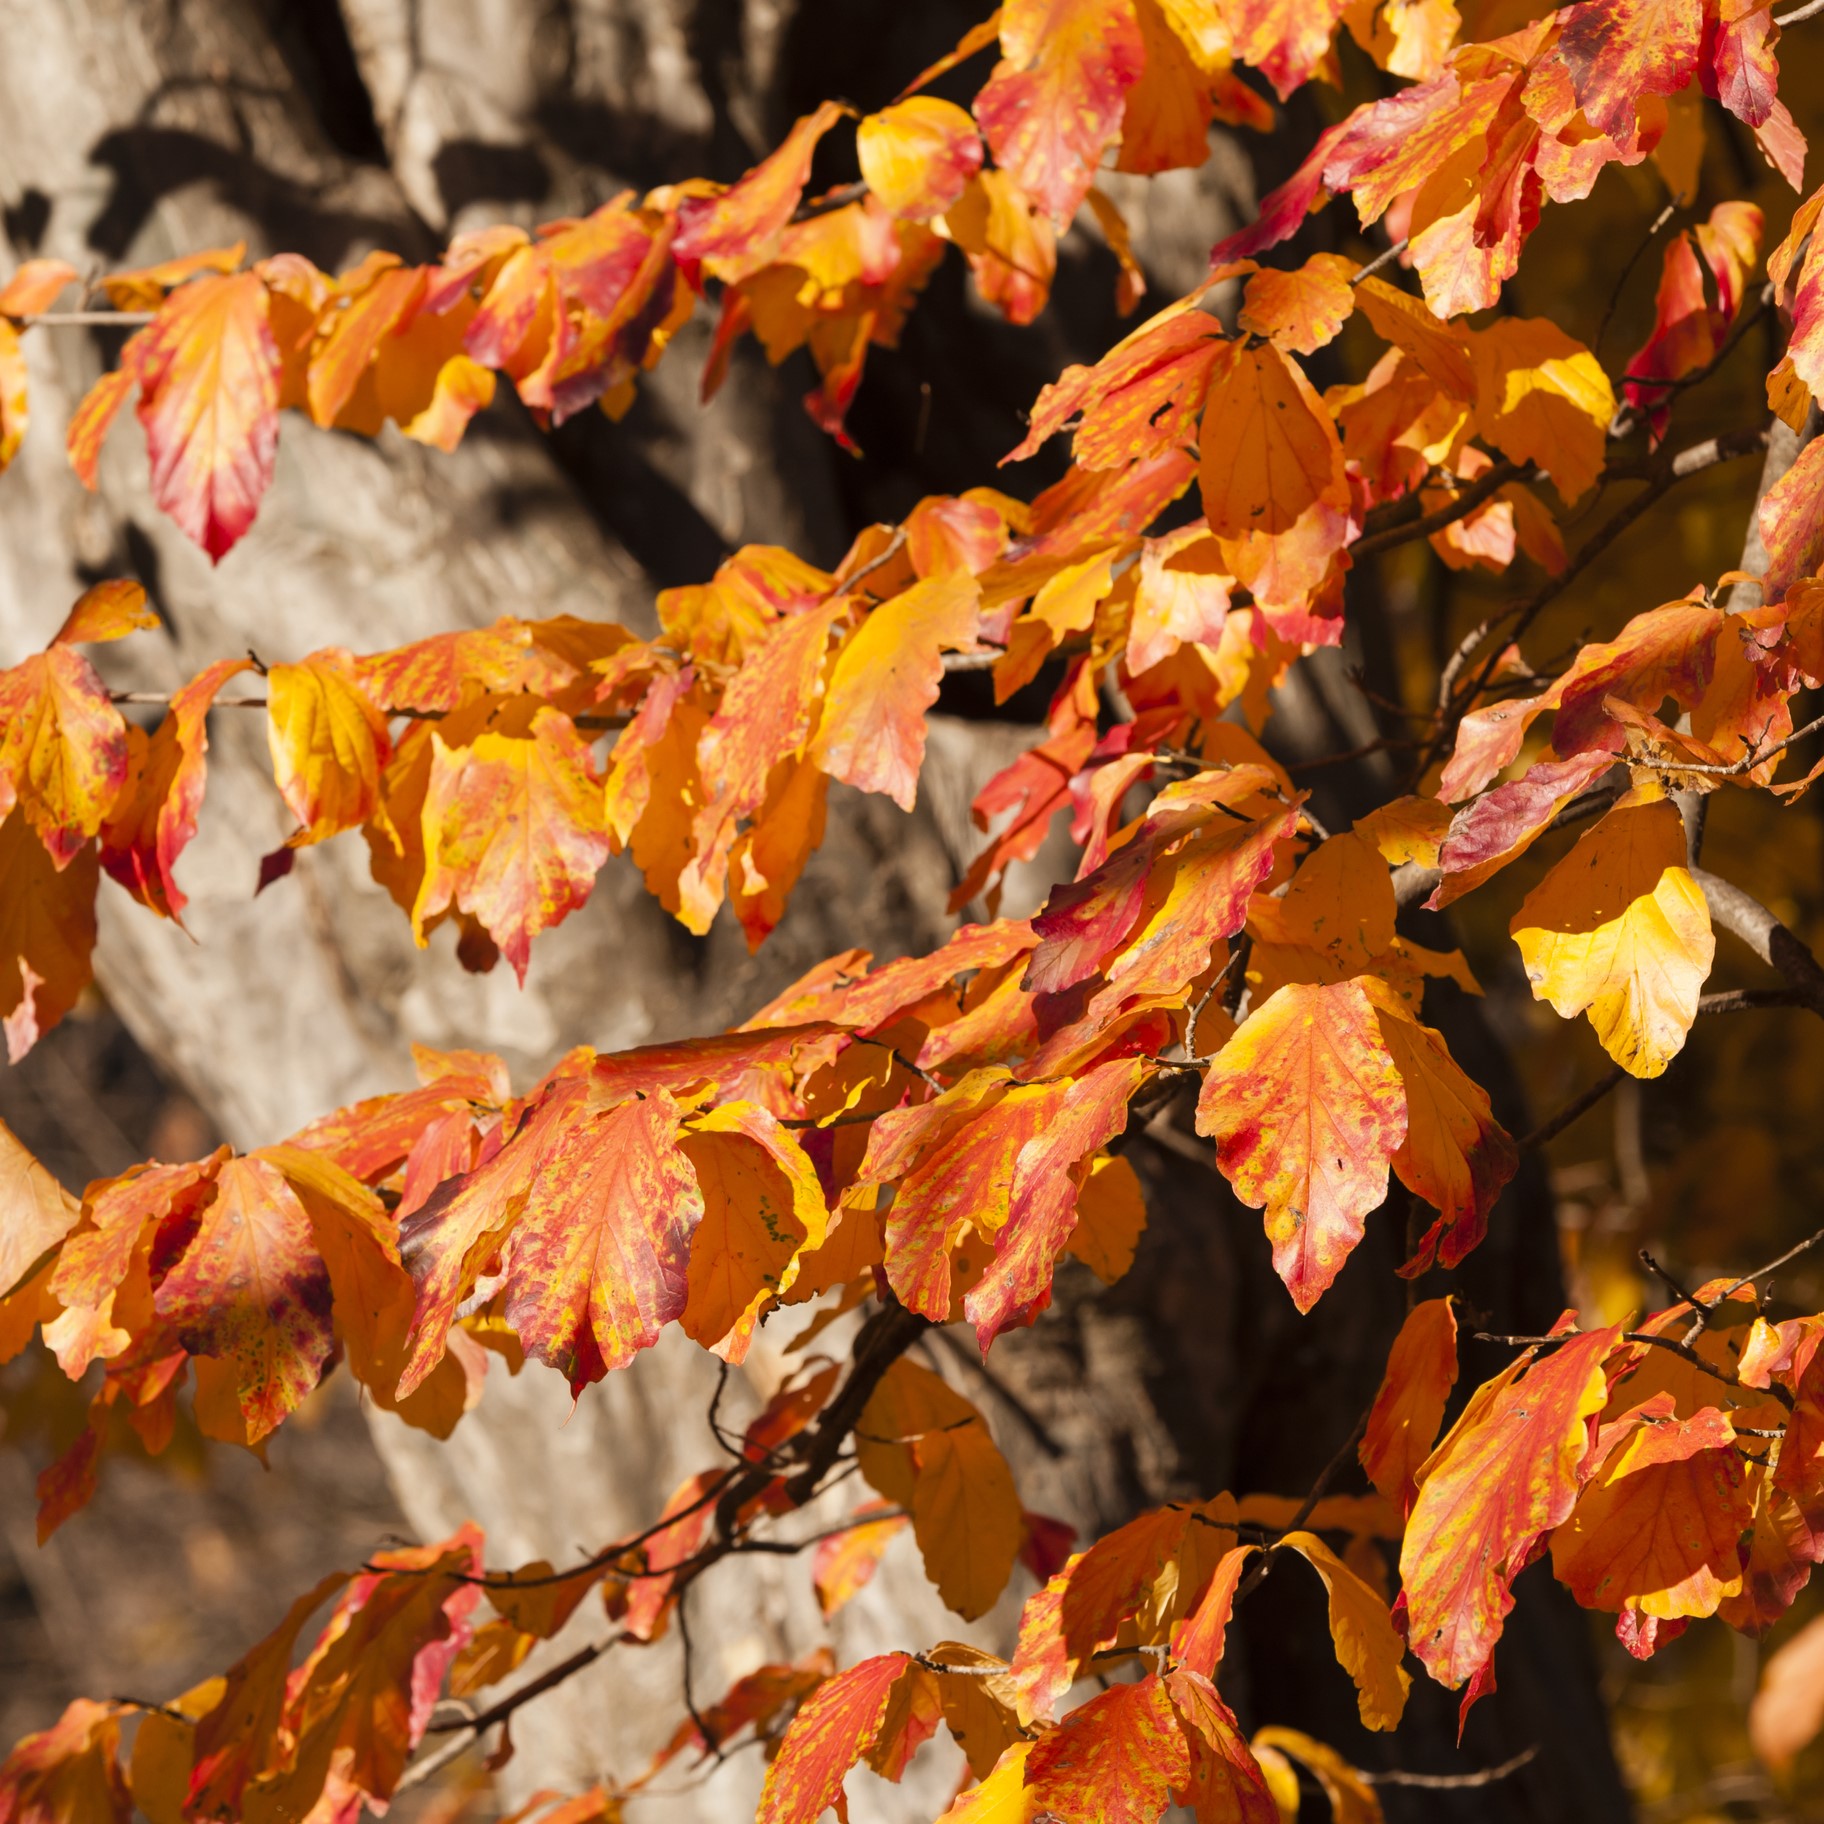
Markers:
135,132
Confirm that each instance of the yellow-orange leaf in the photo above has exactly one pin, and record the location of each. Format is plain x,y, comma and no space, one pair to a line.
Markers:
1301,311
1272,451
69,1773
47,933
1788,1709
1506,1475
763,1207
1542,397
1620,929
1115,1758
208,372
873,729
63,749
15,398
328,745
835,1726
1056,98
1659,1527
918,155
1307,1110
1367,1646
36,1212
514,832
1403,1424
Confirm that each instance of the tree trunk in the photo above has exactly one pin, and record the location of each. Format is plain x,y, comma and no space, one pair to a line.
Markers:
134,133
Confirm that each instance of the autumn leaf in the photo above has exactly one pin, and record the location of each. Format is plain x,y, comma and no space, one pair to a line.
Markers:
872,734
1507,1473
1307,1109
918,155
1277,454
1455,1155
69,1773
1791,517
1367,1646
598,1260
1658,1527
1115,1758
36,1212
1788,1707
762,1208
834,1727
846,1562
1226,1782
514,832
47,933
1619,929
328,744
151,825
922,1445
63,748
1055,99
1543,397
1300,311
1621,51
208,372
731,235
1403,1422
252,1291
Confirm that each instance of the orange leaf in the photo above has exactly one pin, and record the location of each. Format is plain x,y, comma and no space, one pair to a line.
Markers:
1659,1526
1619,929
1284,39
328,745
151,825
47,934
918,155
1307,1109
1226,1784
1301,311
34,287
846,1562
1506,1474
63,749
1792,523
598,1259
1111,1214
1621,51
514,832
1542,397
1055,100
15,398
1272,452
36,1212
1367,1646
732,235
251,1290
834,1727
69,1773
873,730
1456,1155
144,287
1115,1758
763,1209
1788,1709
1403,1424
922,1445
208,371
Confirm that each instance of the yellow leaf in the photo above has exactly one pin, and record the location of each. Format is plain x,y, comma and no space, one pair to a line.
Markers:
1542,397
1367,1646
328,744
1620,929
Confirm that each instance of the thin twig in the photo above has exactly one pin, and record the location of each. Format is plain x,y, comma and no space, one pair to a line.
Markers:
1646,240
88,319
1579,1105
1808,11
1379,260
1453,1782
1256,1572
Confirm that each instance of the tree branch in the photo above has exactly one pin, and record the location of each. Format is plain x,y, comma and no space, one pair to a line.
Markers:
1743,916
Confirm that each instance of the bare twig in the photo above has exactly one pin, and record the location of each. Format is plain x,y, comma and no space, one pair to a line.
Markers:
88,319
1454,1782
1379,260
1578,1106
1809,11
